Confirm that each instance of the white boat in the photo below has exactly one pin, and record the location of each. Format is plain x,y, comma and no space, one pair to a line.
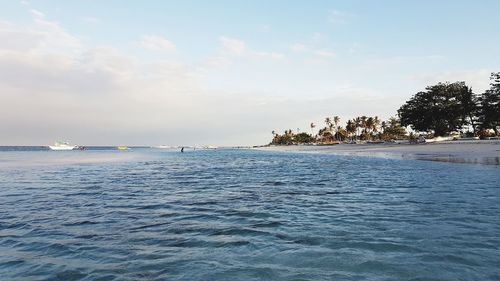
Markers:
437,139
58,145
164,146
205,147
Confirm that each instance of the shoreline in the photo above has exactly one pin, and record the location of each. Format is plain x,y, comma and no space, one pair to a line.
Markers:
485,153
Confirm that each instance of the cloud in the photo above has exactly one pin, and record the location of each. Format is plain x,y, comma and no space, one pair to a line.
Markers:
271,55
157,43
37,13
216,62
317,36
325,54
477,79
338,17
239,48
298,48
314,56
264,28
233,46
91,20
54,86
43,36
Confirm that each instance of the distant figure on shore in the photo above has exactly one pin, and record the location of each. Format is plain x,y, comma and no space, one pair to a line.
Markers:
182,149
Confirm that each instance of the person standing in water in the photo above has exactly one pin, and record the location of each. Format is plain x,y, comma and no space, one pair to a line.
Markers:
182,149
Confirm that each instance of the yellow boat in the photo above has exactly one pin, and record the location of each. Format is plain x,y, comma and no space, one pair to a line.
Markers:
122,148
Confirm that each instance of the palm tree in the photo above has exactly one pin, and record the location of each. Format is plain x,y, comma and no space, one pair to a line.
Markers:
338,135
351,127
363,122
336,121
312,127
369,125
357,125
376,124
328,122
383,126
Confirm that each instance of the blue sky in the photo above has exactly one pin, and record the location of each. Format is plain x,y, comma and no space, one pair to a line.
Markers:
227,72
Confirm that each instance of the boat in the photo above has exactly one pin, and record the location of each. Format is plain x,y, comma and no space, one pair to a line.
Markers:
330,143
375,142
122,148
165,147
205,147
60,145
436,139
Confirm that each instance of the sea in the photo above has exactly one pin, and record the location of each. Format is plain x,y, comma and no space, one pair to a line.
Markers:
243,214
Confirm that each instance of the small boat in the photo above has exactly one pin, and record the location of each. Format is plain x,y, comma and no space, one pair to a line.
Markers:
164,146
375,142
122,148
59,145
436,139
205,147
330,143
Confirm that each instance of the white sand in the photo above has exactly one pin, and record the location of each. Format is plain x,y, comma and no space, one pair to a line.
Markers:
477,152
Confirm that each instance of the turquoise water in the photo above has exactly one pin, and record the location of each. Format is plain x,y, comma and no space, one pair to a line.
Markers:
149,214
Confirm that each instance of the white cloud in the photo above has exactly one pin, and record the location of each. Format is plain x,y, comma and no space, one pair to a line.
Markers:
101,96
395,62
317,36
91,20
325,54
298,48
314,56
271,55
54,86
157,43
338,17
42,36
477,79
239,48
37,13
215,62
233,46
264,28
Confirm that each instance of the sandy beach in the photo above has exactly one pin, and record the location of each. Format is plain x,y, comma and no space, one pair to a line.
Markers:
473,152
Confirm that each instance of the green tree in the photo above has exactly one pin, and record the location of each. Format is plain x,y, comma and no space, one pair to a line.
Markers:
489,105
341,133
468,106
312,128
336,121
351,127
328,122
437,109
303,138
392,129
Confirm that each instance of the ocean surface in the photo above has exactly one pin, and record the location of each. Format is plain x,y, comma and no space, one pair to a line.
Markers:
151,214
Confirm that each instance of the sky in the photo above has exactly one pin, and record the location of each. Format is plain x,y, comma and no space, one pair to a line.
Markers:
226,72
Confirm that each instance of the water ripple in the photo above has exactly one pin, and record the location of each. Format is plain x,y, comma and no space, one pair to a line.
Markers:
245,215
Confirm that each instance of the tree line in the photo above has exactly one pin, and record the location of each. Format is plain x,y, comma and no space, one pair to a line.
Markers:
441,109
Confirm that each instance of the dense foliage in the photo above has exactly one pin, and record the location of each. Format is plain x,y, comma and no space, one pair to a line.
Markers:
489,106
451,107
441,109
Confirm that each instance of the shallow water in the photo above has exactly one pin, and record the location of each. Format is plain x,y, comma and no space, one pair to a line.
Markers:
148,214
